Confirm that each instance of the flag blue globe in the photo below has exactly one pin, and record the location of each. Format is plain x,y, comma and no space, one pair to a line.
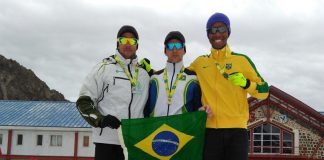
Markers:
165,143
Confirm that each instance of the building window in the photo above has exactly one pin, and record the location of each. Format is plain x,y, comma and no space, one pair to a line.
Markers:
287,143
0,139
19,139
39,140
268,138
56,140
85,141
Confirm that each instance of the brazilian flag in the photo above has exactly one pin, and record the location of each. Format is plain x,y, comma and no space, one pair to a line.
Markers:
176,137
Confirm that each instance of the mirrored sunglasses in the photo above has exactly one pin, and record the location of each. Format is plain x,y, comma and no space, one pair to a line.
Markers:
124,40
221,29
177,45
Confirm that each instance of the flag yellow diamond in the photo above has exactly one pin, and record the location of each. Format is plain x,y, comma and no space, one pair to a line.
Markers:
164,142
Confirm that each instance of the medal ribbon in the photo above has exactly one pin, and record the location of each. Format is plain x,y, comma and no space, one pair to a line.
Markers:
132,80
173,87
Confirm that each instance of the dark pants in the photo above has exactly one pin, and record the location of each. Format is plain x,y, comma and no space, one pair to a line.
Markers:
108,152
226,144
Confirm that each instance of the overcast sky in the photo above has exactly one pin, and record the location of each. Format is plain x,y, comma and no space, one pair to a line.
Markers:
61,40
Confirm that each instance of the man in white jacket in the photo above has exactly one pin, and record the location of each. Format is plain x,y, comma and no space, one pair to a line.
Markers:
115,89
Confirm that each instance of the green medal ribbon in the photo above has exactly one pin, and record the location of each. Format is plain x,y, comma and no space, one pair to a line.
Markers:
132,80
173,87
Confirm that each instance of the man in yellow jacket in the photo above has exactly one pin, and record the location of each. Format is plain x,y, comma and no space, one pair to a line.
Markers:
226,78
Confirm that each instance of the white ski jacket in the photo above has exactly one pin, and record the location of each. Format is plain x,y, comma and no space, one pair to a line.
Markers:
110,89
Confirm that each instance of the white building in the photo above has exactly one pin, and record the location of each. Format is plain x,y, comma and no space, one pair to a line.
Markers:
44,130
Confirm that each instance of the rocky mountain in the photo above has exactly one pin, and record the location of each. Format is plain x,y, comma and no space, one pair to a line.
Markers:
19,83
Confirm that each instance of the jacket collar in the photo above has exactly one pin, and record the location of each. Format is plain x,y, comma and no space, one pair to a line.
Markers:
171,66
221,53
126,61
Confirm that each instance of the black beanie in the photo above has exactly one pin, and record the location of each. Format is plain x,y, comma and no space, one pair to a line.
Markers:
127,28
174,35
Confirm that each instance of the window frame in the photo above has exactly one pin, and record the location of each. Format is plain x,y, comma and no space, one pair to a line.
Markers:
37,140
86,141
1,138
56,140
20,140
281,140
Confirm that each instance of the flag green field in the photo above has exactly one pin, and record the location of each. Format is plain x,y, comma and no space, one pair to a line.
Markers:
176,137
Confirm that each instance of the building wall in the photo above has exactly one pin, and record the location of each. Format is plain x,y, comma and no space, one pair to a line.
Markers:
4,144
85,151
308,144
306,138
29,146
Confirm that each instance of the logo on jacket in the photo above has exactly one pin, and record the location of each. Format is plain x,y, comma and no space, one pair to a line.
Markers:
183,78
118,71
228,66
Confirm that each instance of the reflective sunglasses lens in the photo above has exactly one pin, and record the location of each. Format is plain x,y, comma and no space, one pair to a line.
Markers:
131,41
170,46
221,29
178,45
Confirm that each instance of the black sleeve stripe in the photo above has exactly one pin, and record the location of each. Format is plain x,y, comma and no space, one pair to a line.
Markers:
158,72
189,72
110,59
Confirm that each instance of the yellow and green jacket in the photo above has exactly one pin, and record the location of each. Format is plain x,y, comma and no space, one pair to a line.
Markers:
228,102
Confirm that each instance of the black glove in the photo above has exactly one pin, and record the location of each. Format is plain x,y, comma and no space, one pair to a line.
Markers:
110,121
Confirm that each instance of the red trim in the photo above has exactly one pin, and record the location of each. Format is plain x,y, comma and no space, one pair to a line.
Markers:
267,112
9,142
36,157
280,125
252,126
76,141
276,157
296,103
253,106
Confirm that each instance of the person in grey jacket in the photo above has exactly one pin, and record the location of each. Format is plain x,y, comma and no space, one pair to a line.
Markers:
115,89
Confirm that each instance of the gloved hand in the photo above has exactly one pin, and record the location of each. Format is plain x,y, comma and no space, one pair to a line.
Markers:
146,64
110,121
238,79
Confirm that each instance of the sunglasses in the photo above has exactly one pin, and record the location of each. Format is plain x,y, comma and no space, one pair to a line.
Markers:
221,29
177,45
124,40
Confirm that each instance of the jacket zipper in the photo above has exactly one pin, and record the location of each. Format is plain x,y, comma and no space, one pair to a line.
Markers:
130,103
171,86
